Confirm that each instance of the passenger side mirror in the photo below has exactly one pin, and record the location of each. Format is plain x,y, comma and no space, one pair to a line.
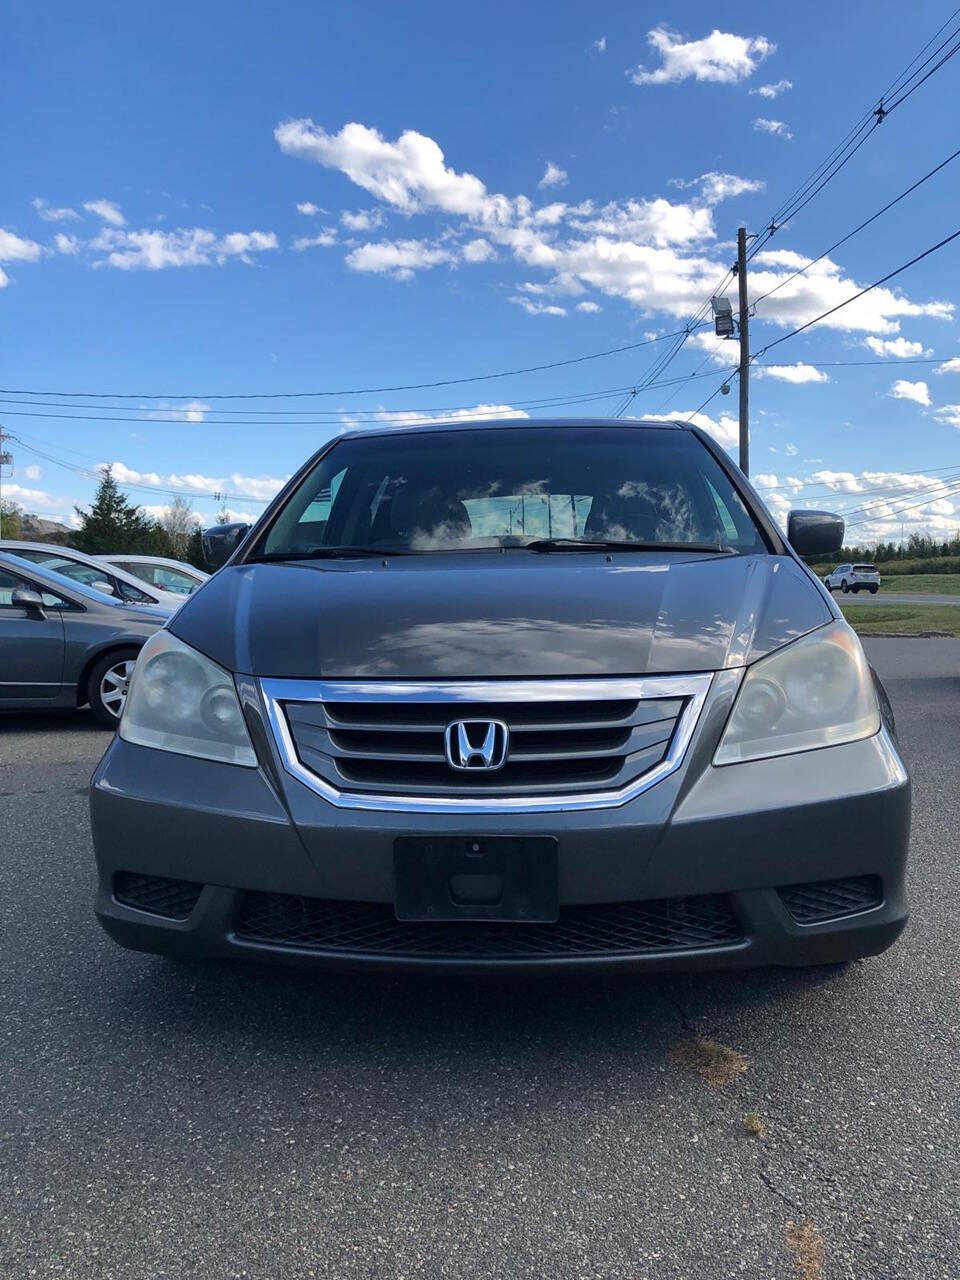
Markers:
32,601
220,542
814,533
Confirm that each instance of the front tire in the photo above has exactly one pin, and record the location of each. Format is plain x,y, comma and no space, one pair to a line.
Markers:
843,586
107,685
874,590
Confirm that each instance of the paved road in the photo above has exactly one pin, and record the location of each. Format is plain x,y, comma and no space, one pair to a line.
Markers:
171,1120
893,597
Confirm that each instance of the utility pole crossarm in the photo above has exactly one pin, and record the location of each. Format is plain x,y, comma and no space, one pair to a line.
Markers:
744,377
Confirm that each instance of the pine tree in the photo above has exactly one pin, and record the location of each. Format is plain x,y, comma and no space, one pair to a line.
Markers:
114,525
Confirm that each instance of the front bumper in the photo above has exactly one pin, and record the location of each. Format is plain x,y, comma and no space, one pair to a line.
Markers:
703,845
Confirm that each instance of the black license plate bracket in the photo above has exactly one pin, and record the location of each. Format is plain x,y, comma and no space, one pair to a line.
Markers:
446,878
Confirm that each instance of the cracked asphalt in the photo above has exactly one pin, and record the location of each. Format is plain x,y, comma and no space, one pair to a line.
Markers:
161,1119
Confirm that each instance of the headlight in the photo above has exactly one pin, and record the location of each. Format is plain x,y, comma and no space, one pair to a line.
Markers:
181,701
817,692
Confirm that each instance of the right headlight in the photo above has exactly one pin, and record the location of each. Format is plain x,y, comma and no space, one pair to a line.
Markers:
180,701
817,692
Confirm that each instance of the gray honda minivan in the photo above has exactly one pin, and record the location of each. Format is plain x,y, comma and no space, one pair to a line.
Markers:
507,696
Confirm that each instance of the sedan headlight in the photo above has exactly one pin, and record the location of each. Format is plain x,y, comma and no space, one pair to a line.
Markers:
180,701
817,692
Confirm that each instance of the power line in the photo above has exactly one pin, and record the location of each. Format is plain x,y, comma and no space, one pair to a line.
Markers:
851,234
898,511
340,417
355,391
859,294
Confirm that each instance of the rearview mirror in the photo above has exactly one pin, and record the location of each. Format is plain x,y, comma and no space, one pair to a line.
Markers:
220,542
32,601
814,533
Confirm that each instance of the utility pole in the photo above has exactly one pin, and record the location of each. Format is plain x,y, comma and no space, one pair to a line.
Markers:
5,460
744,351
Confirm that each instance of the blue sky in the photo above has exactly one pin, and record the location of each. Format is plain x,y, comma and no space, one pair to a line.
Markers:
479,189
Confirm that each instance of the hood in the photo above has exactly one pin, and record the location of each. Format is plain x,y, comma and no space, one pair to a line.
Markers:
477,616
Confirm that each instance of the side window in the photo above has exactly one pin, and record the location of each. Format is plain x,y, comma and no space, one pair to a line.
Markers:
9,584
124,591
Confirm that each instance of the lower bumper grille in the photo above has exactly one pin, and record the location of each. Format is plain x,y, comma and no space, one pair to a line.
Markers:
174,899
369,928
822,900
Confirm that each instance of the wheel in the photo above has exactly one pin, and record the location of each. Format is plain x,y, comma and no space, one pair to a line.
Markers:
107,685
843,586
828,584
874,590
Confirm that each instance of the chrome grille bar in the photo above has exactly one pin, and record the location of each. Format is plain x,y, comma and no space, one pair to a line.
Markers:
353,755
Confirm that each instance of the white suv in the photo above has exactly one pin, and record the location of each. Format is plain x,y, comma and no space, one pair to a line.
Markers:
853,577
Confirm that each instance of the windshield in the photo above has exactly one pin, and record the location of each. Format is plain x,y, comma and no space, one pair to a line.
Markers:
461,490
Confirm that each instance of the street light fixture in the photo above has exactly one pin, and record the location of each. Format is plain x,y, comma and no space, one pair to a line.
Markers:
723,318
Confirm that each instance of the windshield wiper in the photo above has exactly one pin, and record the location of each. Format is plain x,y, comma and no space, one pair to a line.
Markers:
620,544
327,553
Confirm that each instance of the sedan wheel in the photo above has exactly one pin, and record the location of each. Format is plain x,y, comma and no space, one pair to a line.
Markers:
108,684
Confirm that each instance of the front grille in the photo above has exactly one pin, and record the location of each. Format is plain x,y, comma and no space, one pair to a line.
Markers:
555,747
821,900
174,899
370,928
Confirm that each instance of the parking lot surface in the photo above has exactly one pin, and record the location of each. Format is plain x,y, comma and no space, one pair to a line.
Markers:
175,1120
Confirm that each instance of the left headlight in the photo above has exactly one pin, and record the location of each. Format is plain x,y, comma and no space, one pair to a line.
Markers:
817,692
180,701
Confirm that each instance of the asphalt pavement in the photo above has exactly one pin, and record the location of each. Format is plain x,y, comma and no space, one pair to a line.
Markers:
171,1120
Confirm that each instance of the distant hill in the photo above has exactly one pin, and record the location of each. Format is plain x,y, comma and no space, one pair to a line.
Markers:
40,529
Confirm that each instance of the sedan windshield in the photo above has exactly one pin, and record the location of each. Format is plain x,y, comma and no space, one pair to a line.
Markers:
537,488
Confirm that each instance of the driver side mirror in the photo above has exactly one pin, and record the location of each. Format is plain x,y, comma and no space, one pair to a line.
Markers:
32,601
814,533
220,542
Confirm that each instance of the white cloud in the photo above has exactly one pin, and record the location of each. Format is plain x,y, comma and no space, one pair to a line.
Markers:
772,90
402,419
935,510
106,210
69,245
719,57
823,286
32,500
725,430
791,450
309,209
600,45
191,411
589,308
776,127
656,221
326,238
796,373
949,366
658,255
765,480
715,187
50,214
409,174
32,472
538,308
948,413
257,487
478,250
553,176
397,258
184,247
919,392
901,348
362,220
14,248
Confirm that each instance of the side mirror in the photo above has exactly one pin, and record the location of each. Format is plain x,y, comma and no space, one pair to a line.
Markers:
220,542
814,533
32,601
